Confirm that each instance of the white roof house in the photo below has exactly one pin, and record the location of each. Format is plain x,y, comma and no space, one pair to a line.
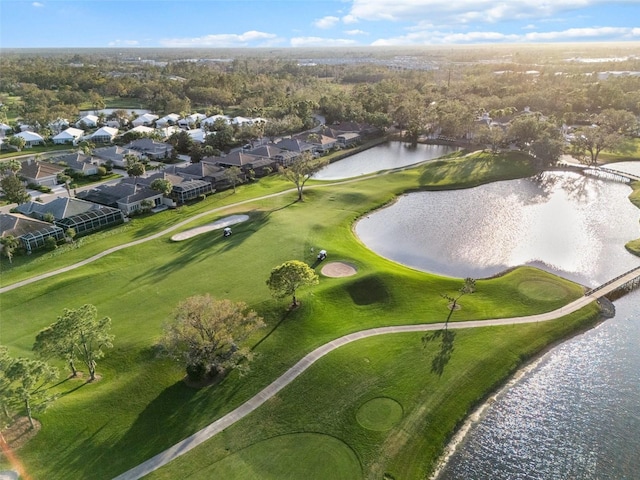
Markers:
166,132
211,120
242,121
89,121
104,135
167,120
70,135
145,119
6,128
143,129
197,135
31,138
192,119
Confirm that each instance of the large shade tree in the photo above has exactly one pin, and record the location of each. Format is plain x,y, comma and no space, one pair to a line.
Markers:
302,169
287,278
29,382
77,334
206,336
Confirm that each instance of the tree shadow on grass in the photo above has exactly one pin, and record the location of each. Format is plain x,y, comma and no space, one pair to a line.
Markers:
443,355
176,413
203,246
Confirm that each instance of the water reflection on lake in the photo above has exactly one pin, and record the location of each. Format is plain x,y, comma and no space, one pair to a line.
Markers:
575,416
562,222
386,156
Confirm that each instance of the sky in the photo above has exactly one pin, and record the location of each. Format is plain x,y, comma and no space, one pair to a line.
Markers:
311,23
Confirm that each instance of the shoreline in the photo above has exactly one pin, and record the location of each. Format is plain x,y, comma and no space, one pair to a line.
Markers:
477,414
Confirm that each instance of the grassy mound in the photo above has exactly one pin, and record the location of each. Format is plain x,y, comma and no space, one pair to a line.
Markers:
298,456
379,414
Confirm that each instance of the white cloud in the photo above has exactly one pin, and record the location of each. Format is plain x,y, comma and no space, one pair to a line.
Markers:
431,37
326,22
124,43
348,19
321,42
355,32
466,10
37,4
247,39
580,33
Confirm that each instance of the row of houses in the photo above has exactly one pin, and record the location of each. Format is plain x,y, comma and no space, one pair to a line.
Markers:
107,205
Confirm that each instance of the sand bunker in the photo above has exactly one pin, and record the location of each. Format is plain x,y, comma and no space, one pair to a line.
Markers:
217,225
338,269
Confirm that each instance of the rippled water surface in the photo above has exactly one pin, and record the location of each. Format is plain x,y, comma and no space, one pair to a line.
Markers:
563,222
383,157
575,416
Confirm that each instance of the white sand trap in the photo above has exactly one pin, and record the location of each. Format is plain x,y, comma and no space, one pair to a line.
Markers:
338,269
217,225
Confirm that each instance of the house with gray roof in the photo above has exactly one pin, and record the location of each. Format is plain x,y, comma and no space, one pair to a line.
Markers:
295,145
279,155
113,155
150,148
60,207
126,196
79,163
31,233
40,173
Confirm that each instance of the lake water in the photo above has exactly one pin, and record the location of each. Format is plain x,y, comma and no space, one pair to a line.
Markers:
576,414
387,156
562,222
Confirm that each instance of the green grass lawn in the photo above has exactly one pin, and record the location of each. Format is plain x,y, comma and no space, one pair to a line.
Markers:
140,406
630,152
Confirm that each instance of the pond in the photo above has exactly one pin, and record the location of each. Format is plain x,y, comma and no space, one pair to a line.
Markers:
563,222
387,156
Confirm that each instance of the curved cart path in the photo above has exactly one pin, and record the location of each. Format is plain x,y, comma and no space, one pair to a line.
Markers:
286,378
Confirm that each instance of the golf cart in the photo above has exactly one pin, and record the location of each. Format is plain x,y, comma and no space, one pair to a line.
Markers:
322,254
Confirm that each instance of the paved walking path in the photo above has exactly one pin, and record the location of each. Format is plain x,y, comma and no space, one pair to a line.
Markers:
286,378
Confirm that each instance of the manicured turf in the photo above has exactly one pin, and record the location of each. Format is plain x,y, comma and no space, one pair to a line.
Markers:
379,414
141,407
295,456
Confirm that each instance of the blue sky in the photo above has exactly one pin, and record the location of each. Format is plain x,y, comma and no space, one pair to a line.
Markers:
311,23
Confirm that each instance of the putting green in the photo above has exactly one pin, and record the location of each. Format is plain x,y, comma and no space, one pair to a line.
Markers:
543,290
379,414
305,456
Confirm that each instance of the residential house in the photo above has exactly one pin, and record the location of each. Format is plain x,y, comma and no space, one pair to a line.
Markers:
80,163
60,207
128,197
280,156
168,120
40,173
197,135
146,119
348,139
31,233
142,129
321,143
104,135
205,170
192,120
31,138
166,132
249,164
70,135
295,145
88,121
150,148
183,189
5,129
212,119
113,155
